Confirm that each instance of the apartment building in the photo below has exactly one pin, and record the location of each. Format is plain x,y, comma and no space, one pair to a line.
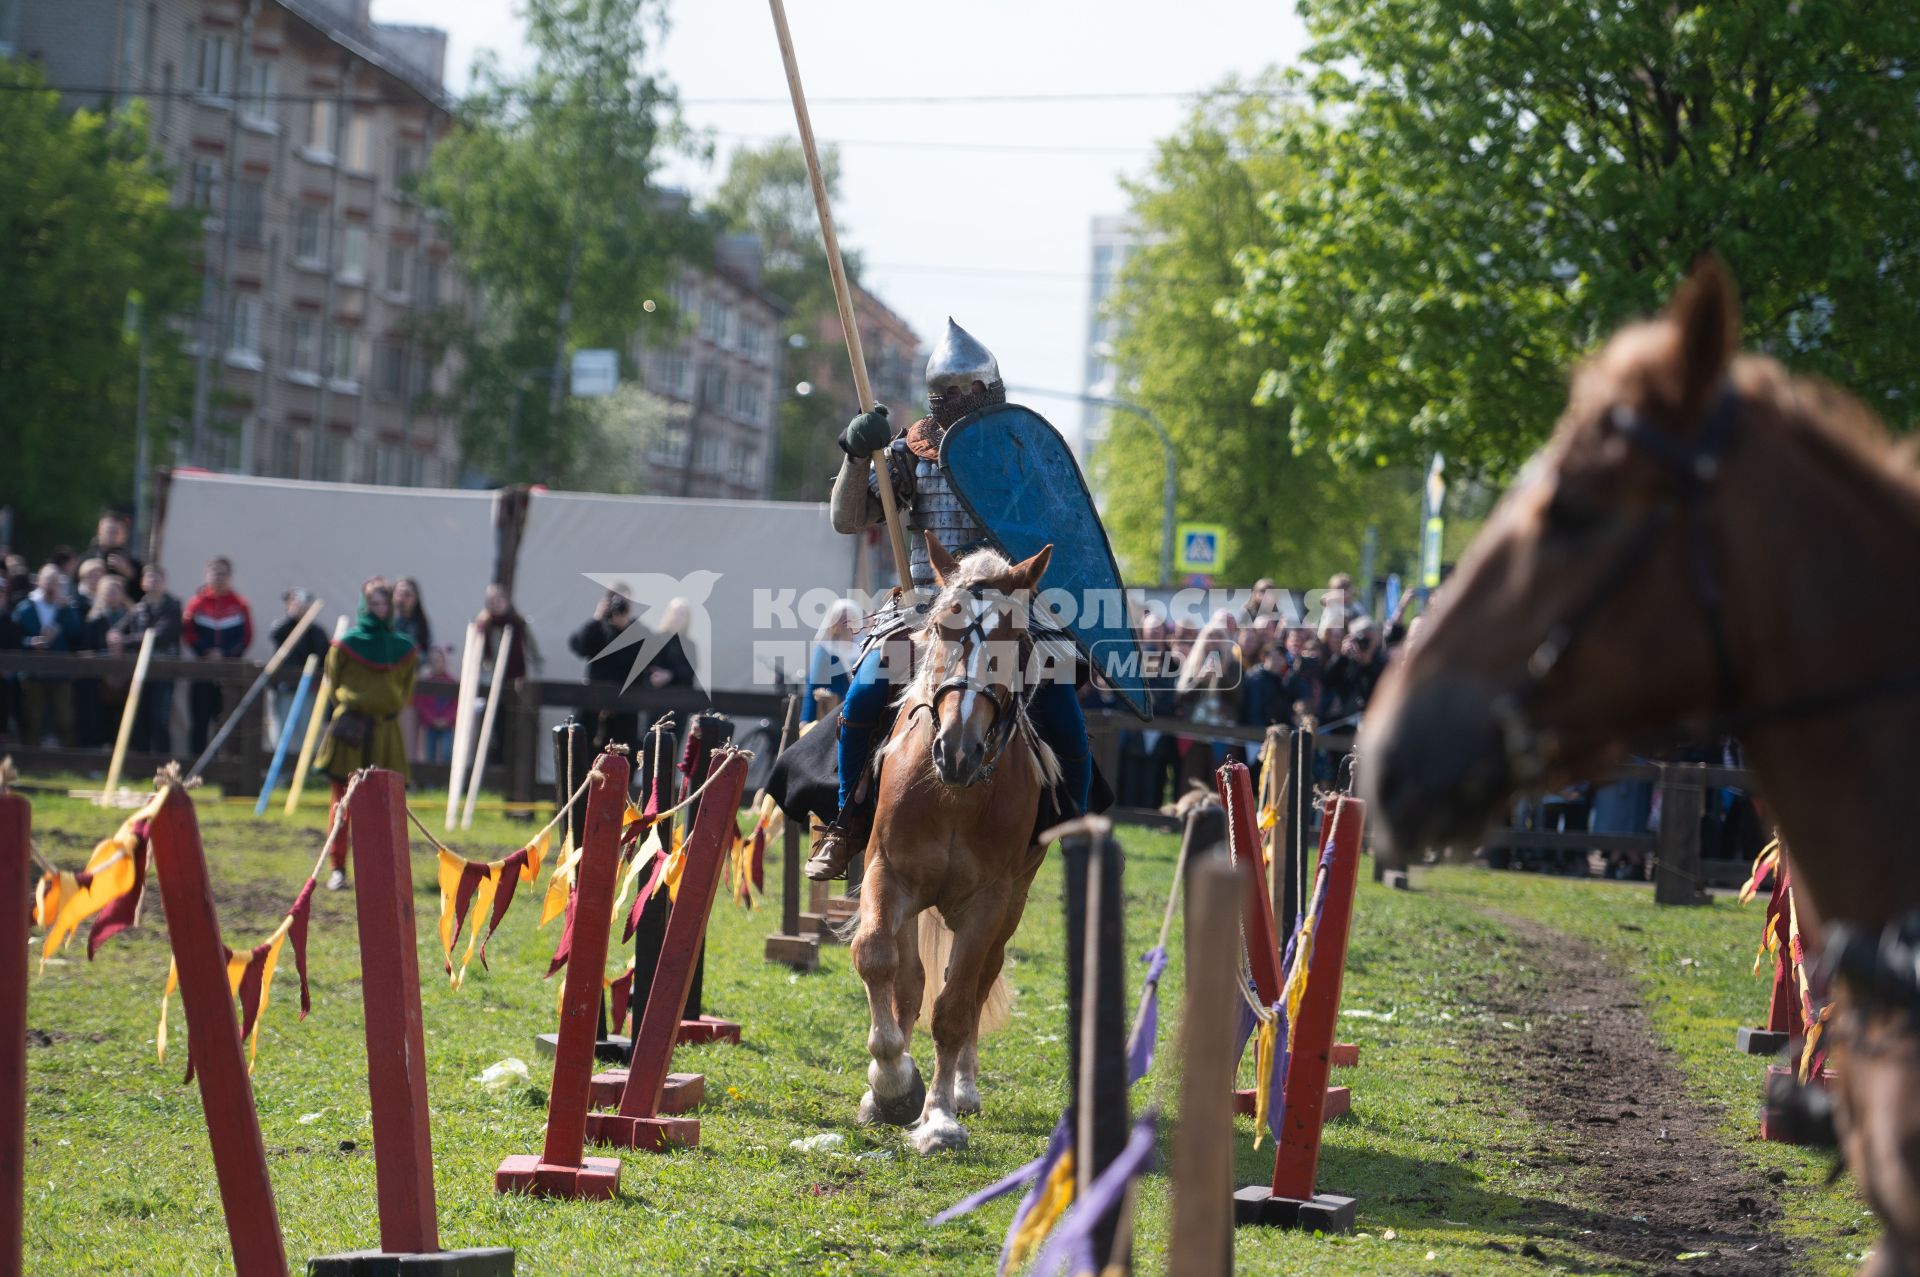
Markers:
896,368
722,371
297,125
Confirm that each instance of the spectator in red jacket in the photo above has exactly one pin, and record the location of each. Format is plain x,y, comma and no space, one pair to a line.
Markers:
218,626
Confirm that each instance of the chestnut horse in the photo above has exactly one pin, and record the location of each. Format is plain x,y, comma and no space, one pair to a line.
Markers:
960,784
1712,544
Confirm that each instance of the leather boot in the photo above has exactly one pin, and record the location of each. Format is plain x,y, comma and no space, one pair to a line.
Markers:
839,843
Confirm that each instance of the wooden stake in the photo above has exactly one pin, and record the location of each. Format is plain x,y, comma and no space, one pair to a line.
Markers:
16,866
1201,1243
479,769
842,294
213,1041
253,692
316,720
463,720
126,720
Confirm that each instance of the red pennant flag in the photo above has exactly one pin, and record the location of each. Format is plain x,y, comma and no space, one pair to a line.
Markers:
646,894
619,994
301,912
471,876
564,949
510,870
250,987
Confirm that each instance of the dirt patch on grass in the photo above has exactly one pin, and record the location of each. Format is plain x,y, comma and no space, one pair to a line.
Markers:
1570,1045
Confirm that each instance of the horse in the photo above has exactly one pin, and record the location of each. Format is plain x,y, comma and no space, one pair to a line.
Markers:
1711,544
961,779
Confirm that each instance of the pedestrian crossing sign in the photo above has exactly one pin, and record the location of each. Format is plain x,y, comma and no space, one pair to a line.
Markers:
1201,547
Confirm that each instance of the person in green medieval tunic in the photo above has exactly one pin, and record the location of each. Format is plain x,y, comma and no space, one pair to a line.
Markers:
370,669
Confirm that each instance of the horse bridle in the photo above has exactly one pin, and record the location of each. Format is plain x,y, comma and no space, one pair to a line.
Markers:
1006,700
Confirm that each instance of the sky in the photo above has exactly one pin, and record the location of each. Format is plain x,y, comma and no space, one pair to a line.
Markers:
979,210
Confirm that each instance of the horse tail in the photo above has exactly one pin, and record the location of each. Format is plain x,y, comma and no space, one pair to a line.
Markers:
936,949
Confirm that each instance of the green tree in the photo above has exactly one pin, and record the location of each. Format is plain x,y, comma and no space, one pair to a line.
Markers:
548,189
1498,183
767,191
84,226
1296,518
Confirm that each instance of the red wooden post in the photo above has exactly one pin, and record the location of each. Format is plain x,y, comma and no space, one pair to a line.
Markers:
390,987
1298,1159
1263,953
561,1170
16,822
213,1039
639,1123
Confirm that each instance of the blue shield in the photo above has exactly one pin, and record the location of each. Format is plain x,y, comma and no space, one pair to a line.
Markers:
1019,479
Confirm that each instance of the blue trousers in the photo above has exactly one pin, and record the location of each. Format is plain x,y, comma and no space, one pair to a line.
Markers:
1054,709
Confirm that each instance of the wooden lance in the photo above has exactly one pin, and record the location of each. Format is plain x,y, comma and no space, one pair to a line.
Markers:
842,294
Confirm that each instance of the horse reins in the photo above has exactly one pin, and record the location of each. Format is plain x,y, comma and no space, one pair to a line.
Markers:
1694,466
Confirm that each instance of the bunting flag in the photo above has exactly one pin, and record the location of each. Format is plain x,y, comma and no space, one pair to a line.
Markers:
653,857
250,979
619,998
466,885
637,863
1146,1025
1763,864
109,890
1069,1250
746,862
561,883
1045,1202
1271,1052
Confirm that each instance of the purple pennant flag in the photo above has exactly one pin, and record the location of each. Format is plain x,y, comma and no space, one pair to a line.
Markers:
1277,1084
1070,1249
1147,1029
1000,1188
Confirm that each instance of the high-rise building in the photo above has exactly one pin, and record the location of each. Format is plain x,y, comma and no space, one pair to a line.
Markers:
297,125
722,375
1114,239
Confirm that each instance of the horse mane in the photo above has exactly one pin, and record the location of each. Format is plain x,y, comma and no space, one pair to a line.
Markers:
1833,424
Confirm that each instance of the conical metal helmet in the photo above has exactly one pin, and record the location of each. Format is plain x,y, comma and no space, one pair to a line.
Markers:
957,362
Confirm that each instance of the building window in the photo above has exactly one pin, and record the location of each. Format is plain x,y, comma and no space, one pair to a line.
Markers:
707,456
204,193
303,344
320,127
753,341
713,389
256,92
330,457
746,402
390,371
680,293
306,234
215,75
243,325
389,466
715,321
360,143
405,163
353,255
341,364
284,452
249,212
669,447
430,288
397,268
674,370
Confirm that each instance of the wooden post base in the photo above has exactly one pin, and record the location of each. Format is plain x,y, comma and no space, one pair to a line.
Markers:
1325,1213
1339,1103
801,952
684,1091
1795,1114
596,1178
489,1261
1345,1055
612,1049
841,910
1759,1042
817,926
644,1134
708,1028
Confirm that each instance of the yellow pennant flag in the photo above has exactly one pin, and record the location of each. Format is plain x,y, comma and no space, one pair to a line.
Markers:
560,883
1055,1196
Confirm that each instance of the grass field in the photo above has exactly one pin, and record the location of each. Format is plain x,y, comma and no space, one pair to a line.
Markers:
119,1178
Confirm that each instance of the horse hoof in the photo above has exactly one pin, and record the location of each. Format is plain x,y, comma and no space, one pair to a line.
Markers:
901,1110
966,1103
938,1134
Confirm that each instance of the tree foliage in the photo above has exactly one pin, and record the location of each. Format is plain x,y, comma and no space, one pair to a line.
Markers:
84,225
547,188
1496,184
1296,518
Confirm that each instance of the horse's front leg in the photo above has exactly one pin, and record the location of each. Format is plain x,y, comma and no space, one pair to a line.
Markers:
895,1092
956,1019
966,1086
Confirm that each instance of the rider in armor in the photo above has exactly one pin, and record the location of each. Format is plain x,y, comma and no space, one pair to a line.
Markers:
962,377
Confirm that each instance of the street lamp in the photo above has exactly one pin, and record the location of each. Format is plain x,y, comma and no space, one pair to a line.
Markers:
1170,463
